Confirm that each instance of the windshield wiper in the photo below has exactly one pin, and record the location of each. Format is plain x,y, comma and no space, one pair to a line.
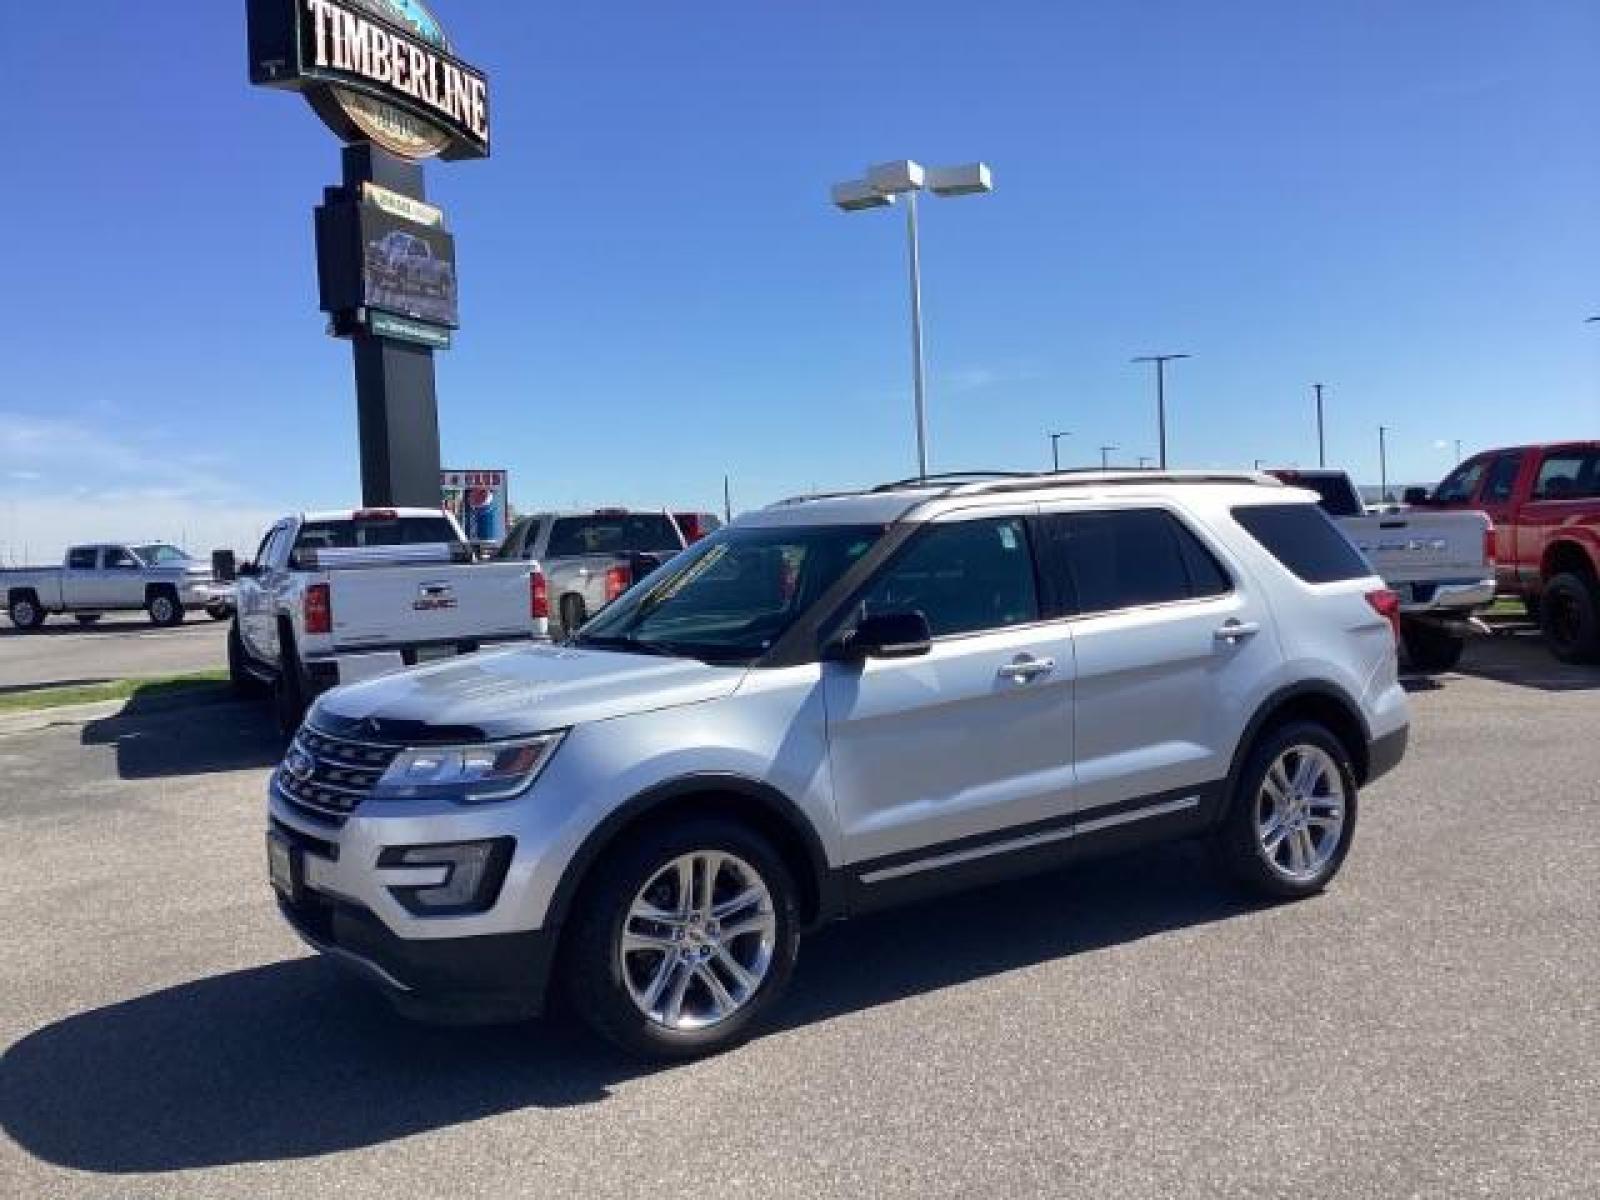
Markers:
626,644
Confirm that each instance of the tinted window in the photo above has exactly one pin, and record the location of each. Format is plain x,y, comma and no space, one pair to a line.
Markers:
1104,561
516,541
159,554
118,558
1502,477
374,531
963,576
1569,475
633,533
1461,484
81,558
1301,537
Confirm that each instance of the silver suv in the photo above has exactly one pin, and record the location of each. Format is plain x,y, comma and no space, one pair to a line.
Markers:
837,703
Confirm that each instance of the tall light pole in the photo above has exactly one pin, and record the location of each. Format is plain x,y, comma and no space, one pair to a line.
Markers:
1322,452
1105,456
1161,361
1383,464
1055,448
1144,461
881,186
1458,450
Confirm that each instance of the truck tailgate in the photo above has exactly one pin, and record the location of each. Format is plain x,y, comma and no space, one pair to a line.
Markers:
1415,547
440,603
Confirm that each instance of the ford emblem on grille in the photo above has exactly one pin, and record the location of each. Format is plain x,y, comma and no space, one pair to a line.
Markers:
300,764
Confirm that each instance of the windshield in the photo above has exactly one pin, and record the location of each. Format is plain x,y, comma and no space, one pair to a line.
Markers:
733,595
159,554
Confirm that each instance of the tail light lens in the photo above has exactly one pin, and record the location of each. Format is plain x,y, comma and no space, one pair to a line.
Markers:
1387,605
618,580
1490,546
538,596
319,608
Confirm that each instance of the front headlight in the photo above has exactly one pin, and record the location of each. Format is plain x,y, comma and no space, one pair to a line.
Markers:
468,774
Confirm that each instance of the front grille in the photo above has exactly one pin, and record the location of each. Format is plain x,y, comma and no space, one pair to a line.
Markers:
324,778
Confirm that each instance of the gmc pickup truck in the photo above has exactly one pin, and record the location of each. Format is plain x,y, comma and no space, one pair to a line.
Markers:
1545,505
1441,565
591,558
160,579
335,597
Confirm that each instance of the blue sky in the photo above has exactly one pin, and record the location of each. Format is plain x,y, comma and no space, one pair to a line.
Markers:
1402,201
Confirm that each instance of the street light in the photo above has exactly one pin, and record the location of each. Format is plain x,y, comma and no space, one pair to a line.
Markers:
1161,361
1322,453
1105,456
1144,461
1055,448
1383,464
878,190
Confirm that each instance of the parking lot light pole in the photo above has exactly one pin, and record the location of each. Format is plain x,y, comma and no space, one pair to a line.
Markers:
1144,461
880,187
1161,361
1105,456
1383,464
1055,448
1322,450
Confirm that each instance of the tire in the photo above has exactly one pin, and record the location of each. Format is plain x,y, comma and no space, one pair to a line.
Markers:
244,684
1429,648
219,612
1321,813
610,988
1570,618
163,608
288,689
573,614
86,618
25,612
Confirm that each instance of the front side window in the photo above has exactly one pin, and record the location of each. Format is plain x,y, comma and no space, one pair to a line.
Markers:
1461,485
1301,537
964,576
1570,475
1128,558
160,554
731,596
1502,478
119,559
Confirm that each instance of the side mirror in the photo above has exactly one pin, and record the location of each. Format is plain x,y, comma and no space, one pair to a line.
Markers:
1415,495
224,566
246,570
885,635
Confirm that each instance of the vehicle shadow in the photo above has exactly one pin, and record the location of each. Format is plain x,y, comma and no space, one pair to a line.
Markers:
1516,654
295,1059
159,737
135,623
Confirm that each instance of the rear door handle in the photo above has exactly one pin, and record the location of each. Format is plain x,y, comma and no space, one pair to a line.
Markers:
1024,669
1235,631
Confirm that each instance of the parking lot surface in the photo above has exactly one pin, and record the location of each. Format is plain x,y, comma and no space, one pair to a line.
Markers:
1428,1027
120,646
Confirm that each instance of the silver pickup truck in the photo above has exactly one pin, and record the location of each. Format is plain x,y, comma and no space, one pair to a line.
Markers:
157,577
591,558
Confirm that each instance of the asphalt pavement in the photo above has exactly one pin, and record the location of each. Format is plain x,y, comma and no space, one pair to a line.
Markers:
119,646
1428,1027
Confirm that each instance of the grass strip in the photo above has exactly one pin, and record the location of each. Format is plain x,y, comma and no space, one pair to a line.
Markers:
199,685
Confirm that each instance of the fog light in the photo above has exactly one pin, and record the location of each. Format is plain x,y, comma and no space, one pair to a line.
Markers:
474,872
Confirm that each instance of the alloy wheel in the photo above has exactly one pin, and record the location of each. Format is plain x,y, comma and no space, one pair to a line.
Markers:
1300,812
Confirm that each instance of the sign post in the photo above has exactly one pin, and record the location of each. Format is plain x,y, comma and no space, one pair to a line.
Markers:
382,75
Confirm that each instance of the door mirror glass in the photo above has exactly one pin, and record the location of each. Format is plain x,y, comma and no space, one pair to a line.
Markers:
1415,495
885,635
246,570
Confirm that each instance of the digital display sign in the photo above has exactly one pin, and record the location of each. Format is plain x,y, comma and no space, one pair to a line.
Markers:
408,268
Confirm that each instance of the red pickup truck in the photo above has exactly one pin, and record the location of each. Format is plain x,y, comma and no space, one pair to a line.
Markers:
1545,505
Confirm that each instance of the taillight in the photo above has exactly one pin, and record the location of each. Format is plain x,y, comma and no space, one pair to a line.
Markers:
1387,605
538,596
618,580
1489,546
319,608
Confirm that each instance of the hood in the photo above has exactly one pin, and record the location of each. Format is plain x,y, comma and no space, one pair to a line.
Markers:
506,693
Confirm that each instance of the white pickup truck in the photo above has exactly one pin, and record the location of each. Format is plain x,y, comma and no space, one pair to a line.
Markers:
336,597
1441,564
91,580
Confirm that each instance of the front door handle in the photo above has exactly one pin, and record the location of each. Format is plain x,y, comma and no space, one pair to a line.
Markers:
1024,669
1236,631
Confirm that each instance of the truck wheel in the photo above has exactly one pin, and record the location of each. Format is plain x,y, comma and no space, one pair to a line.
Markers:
684,937
573,614
86,618
1429,648
1570,617
289,690
218,612
25,612
1292,813
164,608
244,684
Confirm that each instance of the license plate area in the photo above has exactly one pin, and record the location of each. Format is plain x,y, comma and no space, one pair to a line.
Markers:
285,868
427,654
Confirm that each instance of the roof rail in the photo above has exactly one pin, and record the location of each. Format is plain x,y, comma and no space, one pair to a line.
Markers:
1090,477
948,478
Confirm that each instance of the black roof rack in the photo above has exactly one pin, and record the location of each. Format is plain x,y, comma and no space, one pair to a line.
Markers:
949,477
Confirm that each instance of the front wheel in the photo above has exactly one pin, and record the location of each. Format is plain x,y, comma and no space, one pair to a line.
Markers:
1569,615
164,609
685,936
1428,648
1292,814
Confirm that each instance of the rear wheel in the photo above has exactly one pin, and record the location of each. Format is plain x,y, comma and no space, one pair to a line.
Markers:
164,608
86,618
25,612
1429,648
288,689
1293,813
573,614
1570,618
240,678
682,939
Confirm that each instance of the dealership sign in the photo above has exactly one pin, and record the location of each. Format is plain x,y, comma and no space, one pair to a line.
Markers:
374,70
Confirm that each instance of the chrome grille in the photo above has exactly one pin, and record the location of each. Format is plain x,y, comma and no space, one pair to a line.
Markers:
325,777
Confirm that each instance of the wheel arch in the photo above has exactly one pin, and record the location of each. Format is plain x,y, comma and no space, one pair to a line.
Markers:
158,587
1567,556
1320,701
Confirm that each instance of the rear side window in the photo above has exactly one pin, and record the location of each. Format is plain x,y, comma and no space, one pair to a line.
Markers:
964,576
632,533
1569,475
1104,561
1301,537
81,559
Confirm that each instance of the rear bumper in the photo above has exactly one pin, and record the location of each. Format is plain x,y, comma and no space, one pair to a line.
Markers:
1455,599
466,981
1385,752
